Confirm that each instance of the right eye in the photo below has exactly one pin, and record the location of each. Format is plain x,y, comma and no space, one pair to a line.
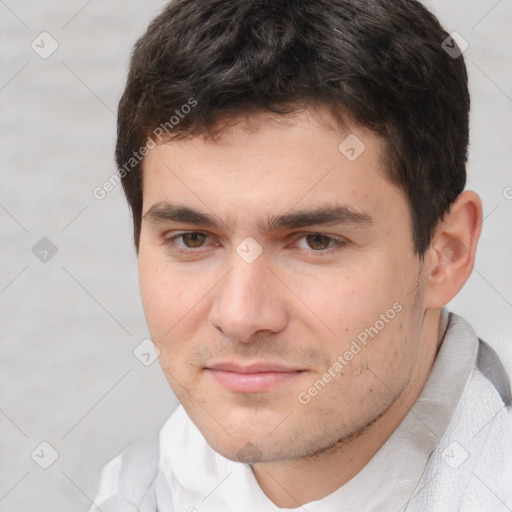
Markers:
190,240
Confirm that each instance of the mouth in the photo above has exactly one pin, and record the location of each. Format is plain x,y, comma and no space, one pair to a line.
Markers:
253,378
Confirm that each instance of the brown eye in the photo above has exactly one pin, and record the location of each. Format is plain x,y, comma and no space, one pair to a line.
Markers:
193,240
318,242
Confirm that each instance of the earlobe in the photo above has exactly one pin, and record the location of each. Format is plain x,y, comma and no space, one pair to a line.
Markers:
453,248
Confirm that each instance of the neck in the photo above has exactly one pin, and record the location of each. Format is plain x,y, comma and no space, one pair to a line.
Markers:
293,483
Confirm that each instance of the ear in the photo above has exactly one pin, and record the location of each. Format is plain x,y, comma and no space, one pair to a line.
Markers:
451,255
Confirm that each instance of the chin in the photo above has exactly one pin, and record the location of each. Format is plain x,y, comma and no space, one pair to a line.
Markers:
251,448
247,453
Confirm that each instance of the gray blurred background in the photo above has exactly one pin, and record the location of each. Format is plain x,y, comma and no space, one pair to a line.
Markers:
71,316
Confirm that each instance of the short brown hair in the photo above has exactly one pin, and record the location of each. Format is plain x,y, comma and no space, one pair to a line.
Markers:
381,62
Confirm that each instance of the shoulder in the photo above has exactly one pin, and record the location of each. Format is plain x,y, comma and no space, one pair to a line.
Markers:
491,367
471,469
127,482
489,407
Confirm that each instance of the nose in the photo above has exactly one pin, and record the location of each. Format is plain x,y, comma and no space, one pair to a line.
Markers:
247,301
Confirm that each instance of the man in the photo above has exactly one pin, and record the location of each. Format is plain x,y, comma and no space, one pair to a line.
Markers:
296,175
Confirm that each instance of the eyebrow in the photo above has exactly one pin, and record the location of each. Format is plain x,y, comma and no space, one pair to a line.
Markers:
325,215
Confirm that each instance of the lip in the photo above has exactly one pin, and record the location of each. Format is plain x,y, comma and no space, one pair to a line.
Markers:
253,378
257,367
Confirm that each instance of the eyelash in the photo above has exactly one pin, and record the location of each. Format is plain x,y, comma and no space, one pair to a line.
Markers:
338,243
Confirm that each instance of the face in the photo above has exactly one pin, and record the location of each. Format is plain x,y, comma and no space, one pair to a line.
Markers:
279,283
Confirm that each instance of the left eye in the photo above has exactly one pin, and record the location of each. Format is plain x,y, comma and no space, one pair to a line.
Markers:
319,242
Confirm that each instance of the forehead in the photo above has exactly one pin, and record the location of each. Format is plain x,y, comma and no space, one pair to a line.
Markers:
267,165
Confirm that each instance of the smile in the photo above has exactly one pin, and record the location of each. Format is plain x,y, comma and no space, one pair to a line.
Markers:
257,378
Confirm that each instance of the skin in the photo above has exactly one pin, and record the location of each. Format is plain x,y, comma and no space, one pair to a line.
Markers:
301,302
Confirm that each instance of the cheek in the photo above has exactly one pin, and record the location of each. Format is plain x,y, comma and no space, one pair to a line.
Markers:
341,303
163,294
175,303
362,311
